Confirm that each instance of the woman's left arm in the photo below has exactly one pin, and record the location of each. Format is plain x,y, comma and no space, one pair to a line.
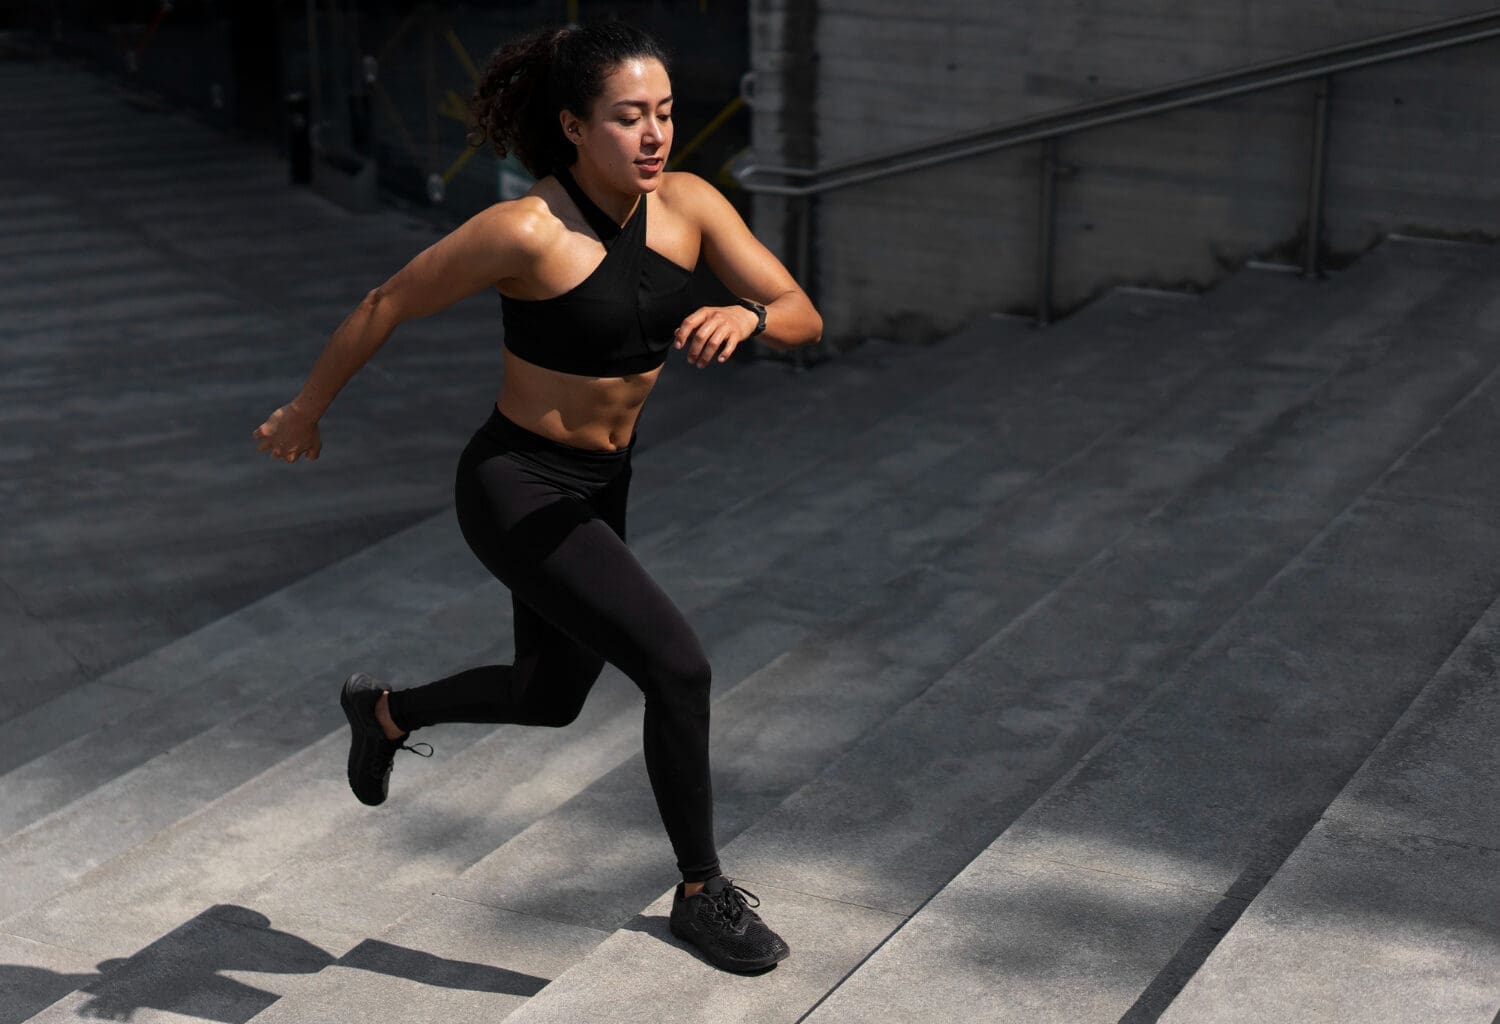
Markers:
749,270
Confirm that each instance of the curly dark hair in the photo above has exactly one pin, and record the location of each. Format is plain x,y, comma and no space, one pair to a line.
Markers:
528,82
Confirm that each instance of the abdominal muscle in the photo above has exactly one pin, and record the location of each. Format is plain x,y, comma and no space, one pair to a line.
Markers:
597,413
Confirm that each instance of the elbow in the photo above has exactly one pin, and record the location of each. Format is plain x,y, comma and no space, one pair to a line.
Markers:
808,323
380,306
812,332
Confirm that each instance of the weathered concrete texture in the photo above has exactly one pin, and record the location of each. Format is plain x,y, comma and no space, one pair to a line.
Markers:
888,823
213,676
1175,199
929,582
209,968
581,846
828,939
213,854
1360,925
1386,910
1021,940
471,964
34,975
1203,791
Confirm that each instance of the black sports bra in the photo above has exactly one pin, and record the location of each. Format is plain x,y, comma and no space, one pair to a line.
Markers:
621,318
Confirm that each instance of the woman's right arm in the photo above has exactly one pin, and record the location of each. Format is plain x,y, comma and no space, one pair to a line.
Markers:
495,244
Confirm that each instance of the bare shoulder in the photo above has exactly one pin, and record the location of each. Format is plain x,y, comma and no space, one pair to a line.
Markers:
527,224
690,196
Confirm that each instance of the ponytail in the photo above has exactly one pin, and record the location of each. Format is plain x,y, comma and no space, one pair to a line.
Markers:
528,82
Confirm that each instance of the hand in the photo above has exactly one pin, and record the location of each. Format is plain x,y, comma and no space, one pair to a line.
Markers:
712,333
289,433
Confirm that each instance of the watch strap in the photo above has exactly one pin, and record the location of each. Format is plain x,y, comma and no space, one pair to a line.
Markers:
758,310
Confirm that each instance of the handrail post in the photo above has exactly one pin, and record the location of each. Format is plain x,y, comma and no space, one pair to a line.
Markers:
1046,218
1315,180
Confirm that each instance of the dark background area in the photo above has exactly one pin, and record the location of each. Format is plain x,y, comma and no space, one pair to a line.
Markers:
390,79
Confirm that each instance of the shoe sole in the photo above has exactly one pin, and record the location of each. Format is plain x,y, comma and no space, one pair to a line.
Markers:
735,966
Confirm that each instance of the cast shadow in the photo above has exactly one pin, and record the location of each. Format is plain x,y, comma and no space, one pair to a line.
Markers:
186,972
656,926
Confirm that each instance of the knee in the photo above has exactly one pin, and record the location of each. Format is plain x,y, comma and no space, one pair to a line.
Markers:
553,689
682,681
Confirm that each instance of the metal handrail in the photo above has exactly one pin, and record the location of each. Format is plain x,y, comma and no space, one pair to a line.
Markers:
1049,127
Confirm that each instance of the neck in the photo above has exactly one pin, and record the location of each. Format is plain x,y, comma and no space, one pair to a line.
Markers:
617,206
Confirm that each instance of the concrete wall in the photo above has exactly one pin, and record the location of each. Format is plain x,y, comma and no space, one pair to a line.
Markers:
1174,200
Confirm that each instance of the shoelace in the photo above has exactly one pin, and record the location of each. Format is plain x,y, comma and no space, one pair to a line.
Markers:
730,903
382,754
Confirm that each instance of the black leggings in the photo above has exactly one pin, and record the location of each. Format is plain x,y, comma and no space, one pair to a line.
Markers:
549,521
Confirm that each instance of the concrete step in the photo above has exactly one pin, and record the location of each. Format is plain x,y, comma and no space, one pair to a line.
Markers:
1386,910
1100,899
857,850
255,847
544,898
208,677
76,713
69,908
112,887
165,519
512,881
323,612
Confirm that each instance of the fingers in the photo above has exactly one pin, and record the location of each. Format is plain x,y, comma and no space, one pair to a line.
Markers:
284,442
716,348
689,324
709,336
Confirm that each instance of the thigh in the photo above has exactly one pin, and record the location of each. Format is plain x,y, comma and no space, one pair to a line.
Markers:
573,580
591,589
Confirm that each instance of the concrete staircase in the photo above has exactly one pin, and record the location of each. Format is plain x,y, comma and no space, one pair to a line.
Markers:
1044,663
1136,669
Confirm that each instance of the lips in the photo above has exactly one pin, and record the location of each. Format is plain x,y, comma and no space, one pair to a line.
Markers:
650,164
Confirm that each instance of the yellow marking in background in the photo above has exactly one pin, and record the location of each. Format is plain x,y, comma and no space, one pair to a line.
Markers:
463,54
454,106
572,12
458,164
730,109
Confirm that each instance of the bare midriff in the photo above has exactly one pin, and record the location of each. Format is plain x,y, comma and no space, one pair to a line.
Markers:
597,413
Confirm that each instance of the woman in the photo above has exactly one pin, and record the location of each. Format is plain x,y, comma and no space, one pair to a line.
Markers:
593,294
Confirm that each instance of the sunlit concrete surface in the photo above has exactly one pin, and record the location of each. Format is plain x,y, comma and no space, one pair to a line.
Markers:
1135,669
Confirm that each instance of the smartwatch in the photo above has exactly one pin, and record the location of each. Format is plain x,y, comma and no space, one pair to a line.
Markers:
758,310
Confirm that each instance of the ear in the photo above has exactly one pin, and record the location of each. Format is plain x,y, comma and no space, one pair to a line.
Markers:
572,127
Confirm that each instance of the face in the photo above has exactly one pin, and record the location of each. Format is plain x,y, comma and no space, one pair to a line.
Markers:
628,136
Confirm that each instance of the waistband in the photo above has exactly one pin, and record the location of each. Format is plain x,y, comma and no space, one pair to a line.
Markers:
583,470
517,438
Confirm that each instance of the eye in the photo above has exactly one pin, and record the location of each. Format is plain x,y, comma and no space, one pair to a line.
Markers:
628,121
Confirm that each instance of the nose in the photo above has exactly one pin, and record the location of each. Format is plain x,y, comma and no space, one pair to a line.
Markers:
655,129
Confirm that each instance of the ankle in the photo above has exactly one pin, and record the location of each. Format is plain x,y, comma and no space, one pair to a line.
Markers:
691,888
383,717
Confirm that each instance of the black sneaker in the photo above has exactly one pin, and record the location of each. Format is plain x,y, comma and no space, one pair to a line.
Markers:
370,753
721,924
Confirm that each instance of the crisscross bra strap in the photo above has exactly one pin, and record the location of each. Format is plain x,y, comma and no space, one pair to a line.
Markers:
603,225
